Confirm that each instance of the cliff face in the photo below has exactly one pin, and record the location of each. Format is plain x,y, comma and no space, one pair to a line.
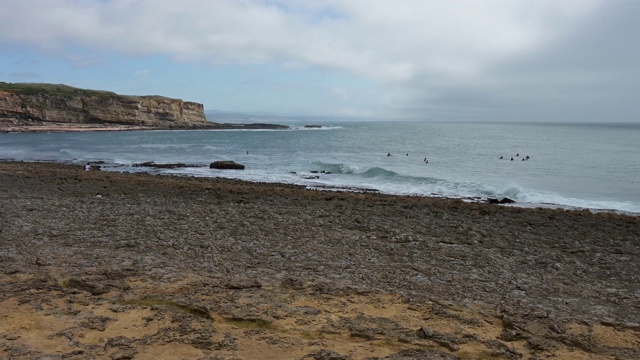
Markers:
152,111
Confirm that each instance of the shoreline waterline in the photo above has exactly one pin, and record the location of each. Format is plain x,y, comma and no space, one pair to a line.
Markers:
137,169
574,167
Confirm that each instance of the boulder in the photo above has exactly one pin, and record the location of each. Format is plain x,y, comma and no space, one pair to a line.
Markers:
226,165
163,166
501,201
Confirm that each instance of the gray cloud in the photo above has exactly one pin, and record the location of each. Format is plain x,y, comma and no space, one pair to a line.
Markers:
589,73
495,59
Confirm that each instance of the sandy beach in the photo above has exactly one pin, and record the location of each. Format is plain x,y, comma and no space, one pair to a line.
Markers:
102,265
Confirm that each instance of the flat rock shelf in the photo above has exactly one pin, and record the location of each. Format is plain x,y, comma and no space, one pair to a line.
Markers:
137,266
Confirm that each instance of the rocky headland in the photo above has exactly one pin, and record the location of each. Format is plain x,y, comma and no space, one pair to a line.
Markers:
102,265
49,107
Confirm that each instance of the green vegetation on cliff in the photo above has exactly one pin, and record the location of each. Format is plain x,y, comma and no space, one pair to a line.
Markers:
51,89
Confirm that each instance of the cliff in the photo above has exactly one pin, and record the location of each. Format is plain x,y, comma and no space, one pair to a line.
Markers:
26,104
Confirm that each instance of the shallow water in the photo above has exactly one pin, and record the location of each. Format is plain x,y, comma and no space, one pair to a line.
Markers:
595,166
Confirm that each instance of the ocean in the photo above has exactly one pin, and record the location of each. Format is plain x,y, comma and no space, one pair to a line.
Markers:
578,166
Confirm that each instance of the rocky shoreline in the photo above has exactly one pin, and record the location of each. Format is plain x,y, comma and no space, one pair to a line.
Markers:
135,266
26,126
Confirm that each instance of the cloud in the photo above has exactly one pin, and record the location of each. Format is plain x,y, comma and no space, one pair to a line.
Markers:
430,56
142,73
587,73
387,40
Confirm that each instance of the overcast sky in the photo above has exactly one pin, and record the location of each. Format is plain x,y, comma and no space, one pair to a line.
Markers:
491,60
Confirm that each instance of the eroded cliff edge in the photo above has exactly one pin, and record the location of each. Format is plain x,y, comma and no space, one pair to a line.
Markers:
27,106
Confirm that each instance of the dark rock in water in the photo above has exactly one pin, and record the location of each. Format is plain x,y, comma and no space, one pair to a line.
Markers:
504,200
313,126
226,165
227,126
163,166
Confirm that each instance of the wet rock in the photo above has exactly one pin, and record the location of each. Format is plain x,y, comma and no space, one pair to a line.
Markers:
164,166
504,200
227,164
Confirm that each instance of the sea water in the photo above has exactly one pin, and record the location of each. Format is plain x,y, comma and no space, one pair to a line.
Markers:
594,166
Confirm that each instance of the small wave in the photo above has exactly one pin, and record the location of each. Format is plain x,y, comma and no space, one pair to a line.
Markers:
368,172
314,127
378,172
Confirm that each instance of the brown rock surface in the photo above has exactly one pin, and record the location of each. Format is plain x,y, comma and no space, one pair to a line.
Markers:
134,266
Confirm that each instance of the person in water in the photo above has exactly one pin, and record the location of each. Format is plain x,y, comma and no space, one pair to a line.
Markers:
388,154
500,157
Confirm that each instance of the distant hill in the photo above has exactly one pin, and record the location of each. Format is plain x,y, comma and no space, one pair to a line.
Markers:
24,103
31,105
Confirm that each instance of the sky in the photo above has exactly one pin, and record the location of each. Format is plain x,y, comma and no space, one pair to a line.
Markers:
428,60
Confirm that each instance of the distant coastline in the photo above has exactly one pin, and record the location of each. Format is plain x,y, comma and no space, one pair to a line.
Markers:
48,127
33,107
